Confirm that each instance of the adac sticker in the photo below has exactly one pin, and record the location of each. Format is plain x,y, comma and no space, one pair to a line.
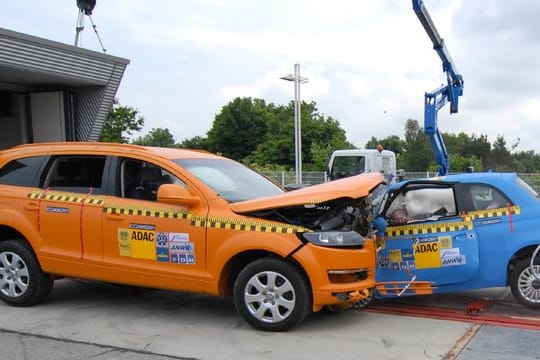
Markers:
427,255
143,244
139,241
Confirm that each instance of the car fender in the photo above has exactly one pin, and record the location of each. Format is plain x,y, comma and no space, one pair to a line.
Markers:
244,241
14,219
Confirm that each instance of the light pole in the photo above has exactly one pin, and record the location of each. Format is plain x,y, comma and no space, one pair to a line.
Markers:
297,120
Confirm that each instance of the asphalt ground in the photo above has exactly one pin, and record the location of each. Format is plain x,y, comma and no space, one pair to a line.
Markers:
84,320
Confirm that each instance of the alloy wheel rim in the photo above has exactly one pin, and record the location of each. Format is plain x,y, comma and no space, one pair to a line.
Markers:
528,284
14,275
269,297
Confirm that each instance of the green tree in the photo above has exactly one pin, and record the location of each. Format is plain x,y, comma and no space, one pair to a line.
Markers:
481,148
417,153
500,158
460,163
466,147
527,161
156,137
239,128
196,142
320,136
121,121
392,143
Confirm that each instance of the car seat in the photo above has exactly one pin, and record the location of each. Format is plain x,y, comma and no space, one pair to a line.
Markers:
149,179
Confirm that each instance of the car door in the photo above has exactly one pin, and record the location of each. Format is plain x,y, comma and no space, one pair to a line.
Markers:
493,215
70,207
150,243
427,245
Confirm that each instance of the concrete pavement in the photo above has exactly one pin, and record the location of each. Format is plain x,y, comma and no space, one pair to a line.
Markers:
84,320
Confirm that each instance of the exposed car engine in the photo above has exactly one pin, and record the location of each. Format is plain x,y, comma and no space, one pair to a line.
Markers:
342,214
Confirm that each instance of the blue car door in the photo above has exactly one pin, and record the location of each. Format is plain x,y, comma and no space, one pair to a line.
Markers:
427,246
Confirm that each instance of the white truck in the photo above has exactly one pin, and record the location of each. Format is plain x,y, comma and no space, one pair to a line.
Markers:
349,162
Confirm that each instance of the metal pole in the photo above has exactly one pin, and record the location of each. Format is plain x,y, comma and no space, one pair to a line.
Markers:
297,120
297,126
79,27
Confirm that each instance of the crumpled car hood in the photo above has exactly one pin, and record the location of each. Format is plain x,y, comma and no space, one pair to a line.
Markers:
354,187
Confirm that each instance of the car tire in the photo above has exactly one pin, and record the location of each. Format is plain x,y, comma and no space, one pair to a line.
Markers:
22,281
272,295
525,284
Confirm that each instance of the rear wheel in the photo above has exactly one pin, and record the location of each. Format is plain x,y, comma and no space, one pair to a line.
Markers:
22,282
272,295
525,283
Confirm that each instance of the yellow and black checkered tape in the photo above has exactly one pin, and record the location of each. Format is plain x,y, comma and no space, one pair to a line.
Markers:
66,197
151,212
420,229
489,213
242,225
200,221
203,221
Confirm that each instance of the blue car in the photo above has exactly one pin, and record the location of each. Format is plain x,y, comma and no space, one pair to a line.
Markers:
459,232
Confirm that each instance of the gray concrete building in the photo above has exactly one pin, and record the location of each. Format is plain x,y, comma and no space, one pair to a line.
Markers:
51,91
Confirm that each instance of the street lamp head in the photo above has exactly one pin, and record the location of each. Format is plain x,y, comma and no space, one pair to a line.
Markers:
289,77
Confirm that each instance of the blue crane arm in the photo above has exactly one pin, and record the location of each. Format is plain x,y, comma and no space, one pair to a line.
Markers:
436,99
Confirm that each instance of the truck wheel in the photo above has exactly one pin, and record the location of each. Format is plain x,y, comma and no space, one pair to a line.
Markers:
271,295
22,282
525,283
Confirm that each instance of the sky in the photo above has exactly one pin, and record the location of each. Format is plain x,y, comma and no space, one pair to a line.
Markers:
368,63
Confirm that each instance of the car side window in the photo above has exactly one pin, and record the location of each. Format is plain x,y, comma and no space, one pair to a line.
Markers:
75,173
141,180
21,172
484,197
421,203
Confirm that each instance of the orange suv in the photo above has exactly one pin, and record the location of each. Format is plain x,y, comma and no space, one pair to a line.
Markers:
181,220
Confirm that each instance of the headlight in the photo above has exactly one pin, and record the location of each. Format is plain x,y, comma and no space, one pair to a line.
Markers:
334,238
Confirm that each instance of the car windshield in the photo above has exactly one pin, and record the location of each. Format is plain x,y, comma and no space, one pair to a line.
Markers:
230,179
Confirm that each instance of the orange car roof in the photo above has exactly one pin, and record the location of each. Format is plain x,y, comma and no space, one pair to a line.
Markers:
109,148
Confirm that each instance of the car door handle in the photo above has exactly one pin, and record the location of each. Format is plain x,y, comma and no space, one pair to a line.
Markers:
116,217
31,206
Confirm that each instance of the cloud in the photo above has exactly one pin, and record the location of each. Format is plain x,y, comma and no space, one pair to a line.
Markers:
368,63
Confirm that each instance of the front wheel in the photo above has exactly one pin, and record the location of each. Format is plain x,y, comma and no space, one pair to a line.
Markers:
525,283
22,282
272,295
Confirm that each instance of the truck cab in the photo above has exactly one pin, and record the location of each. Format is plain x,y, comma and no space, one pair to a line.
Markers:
349,162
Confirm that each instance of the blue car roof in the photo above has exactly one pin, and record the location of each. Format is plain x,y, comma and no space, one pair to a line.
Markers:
482,177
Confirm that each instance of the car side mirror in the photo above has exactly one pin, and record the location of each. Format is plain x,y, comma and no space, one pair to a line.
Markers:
176,194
